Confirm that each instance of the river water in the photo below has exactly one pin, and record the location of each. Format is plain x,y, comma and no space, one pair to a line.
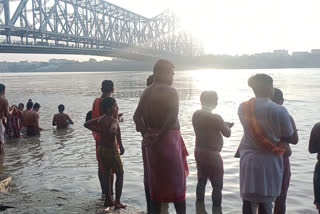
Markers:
57,172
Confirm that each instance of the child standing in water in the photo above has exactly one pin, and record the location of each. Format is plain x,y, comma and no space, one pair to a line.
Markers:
209,128
107,126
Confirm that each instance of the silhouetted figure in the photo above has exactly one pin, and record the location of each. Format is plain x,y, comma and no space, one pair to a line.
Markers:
209,129
267,132
280,203
156,117
314,147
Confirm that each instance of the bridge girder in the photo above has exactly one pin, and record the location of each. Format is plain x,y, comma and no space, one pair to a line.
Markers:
90,23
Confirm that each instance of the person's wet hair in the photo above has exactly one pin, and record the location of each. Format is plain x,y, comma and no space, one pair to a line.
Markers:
29,104
21,105
2,88
277,96
29,100
107,103
150,80
208,98
36,106
61,108
107,86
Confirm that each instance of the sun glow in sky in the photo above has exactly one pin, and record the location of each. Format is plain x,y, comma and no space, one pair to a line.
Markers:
236,27
242,26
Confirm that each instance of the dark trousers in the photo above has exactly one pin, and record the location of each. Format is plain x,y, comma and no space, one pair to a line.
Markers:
246,208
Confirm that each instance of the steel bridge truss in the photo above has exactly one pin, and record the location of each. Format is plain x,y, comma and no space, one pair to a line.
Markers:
90,24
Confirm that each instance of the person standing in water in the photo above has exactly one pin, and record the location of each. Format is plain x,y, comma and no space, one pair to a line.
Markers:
31,120
209,129
110,161
61,120
107,89
314,147
280,203
267,132
4,113
156,117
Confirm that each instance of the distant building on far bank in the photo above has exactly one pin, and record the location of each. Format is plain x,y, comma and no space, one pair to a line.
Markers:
300,53
315,51
281,52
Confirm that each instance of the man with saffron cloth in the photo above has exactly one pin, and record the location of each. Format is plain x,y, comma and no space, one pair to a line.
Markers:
267,132
156,117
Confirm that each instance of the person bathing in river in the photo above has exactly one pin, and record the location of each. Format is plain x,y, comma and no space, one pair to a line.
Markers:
25,114
31,121
110,161
209,129
61,120
13,125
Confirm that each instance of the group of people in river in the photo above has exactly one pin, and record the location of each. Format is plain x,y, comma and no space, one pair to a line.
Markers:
264,149
17,121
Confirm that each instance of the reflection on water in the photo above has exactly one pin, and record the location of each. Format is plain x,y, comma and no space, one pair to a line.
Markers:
58,171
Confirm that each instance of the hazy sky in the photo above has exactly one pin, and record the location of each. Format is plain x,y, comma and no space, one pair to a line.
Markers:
243,26
239,26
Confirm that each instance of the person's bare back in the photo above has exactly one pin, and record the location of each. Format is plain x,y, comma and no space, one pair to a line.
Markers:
160,105
31,122
61,120
28,118
209,128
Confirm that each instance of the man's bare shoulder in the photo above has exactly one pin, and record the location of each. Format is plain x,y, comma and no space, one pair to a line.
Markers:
3,100
35,114
316,128
207,115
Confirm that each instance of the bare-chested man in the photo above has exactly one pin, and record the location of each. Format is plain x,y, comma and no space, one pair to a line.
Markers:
61,120
4,112
156,117
209,129
31,121
24,115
